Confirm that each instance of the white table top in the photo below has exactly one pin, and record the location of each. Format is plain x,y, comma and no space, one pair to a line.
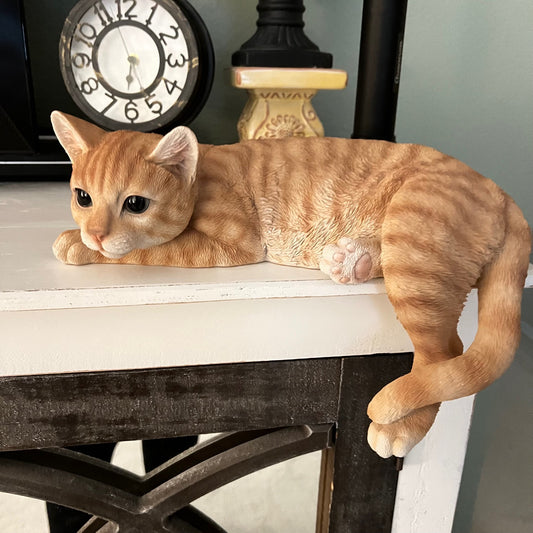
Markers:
60,318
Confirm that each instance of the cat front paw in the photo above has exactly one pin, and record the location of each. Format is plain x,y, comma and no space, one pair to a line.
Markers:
69,249
401,436
351,260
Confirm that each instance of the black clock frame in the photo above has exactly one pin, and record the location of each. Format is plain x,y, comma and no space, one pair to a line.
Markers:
172,115
28,148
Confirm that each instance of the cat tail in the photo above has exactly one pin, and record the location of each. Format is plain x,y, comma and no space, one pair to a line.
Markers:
500,289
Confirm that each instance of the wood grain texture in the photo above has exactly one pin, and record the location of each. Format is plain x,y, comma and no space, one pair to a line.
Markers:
68,409
364,484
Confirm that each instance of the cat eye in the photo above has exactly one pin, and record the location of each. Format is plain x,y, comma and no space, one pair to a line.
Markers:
83,198
136,204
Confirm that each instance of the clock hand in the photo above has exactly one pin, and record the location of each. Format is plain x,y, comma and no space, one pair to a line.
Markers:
129,77
133,61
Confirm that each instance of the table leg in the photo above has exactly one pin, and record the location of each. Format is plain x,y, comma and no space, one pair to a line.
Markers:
364,485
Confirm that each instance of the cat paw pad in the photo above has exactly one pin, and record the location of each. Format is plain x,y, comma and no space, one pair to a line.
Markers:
347,261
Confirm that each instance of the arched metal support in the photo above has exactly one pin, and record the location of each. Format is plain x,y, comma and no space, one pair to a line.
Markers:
159,501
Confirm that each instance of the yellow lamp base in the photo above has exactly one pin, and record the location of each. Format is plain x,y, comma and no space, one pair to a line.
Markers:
279,100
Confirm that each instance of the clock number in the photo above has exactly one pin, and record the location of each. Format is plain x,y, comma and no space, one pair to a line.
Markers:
131,111
152,12
128,13
81,60
177,62
175,36
89,86
88,33
114,100
102,13
171,86
155,106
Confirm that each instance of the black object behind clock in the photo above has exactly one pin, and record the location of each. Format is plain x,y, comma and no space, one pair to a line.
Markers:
32,29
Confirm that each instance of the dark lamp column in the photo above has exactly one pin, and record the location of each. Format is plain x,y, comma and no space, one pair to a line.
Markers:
280,40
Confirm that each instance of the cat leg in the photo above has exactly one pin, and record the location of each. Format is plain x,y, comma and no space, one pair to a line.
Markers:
419,387
195,249
352,260
428,297
399,437
191,248
433,253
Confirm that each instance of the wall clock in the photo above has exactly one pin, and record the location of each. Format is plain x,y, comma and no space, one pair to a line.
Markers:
135,64
169,85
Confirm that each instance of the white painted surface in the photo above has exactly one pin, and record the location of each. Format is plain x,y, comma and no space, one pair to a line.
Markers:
112,338
429,482
57,318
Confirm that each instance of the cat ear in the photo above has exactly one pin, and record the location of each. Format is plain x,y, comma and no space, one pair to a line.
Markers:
75,135
177,151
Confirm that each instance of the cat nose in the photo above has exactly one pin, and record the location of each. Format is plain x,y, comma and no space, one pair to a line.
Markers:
98,235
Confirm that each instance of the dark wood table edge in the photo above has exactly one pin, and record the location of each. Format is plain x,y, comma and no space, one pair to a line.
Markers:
357,488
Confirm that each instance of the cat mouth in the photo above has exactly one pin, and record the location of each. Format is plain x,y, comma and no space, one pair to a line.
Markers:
106,253
111,255
98,246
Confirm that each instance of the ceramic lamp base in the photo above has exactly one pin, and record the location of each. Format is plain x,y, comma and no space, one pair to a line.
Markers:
279,101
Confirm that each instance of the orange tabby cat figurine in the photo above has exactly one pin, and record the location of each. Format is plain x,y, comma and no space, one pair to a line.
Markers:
356,209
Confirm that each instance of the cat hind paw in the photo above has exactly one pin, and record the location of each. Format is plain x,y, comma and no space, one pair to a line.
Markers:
387,441
348,261
398,438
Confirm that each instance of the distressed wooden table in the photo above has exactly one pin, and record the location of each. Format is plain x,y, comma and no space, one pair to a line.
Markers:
280,361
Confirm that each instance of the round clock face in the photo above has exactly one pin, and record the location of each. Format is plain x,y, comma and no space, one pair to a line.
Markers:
131,63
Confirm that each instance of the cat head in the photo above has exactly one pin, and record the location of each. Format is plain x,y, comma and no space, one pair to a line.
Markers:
130,190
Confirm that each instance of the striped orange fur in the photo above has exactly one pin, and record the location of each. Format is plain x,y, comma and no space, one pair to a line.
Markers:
430,225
